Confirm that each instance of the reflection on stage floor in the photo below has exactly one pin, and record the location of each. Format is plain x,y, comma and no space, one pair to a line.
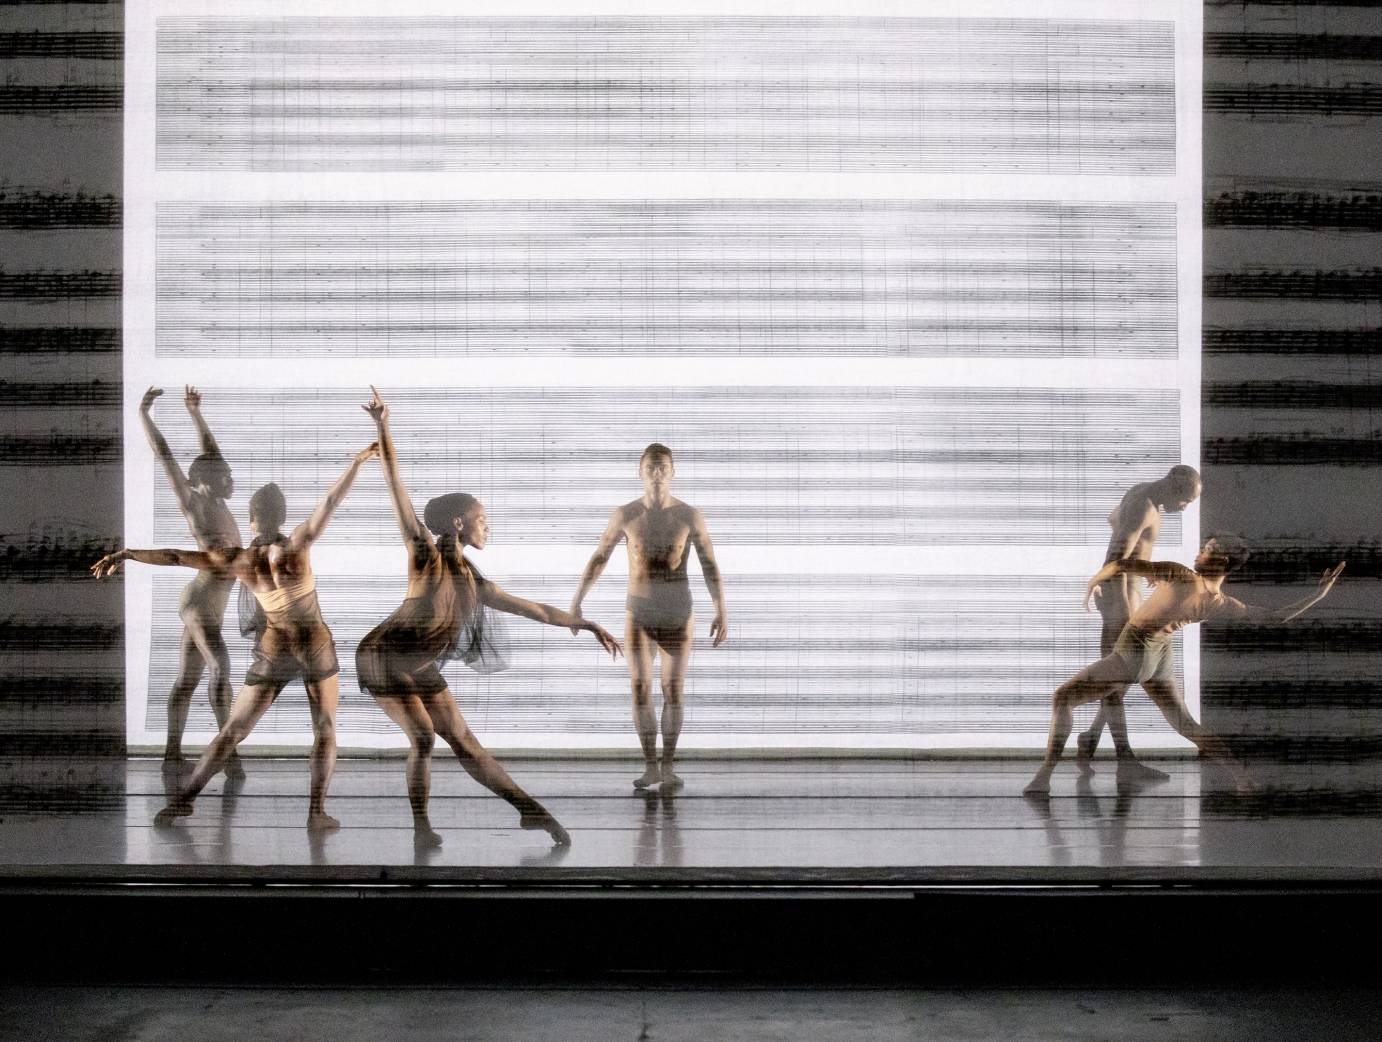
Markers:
806,822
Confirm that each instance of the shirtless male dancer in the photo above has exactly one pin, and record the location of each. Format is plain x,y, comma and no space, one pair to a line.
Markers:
1136,523
202,496
1143,653
661,532
294,643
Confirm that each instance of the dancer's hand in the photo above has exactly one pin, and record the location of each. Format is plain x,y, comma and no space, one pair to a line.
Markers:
367,453
192,398
108,564
719,629
605,638
147,402
1093,589
1330,577
378,411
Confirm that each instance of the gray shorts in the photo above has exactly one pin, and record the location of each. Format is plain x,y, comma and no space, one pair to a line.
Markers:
1147,657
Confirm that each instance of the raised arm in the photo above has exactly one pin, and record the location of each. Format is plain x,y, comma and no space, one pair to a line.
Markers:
306,533
1160,571
408,524
159,444
500,600
202,560
192,398
705,552
1253,613
594,568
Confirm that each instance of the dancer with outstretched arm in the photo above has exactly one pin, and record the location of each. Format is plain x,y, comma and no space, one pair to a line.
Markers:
201,495
294,643
1144,654
443,617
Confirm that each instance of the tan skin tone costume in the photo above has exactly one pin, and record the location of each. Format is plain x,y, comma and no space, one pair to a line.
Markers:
295,644
660,532
397,661
1143,652
201,495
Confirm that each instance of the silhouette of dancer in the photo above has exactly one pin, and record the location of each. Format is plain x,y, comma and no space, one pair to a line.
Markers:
443,617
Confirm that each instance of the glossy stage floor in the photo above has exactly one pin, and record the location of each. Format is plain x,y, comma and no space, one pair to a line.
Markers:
808,822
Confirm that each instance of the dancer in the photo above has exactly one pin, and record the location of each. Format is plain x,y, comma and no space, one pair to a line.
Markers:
202,496
1144,654
295,642
443,617
1136,523
661,532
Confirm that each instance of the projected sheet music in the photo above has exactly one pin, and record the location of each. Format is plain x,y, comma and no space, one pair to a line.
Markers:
914,300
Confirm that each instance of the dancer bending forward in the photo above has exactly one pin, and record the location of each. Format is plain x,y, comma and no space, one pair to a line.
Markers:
294,643
1143,653
443,618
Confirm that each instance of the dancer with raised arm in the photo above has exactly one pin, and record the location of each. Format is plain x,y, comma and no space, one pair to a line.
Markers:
1143,653
443,617
201,495
1136,523
294,644
661,532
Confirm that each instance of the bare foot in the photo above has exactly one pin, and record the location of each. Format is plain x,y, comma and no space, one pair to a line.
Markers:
650,777
320,821
540,819
1038,786
1085,745
670,781
1135,772
175,809
173,757
234,769
425,837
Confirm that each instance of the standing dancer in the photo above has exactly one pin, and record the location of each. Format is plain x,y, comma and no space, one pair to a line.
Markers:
295,642
1136,523
443,617
1144,654
202,496
661,532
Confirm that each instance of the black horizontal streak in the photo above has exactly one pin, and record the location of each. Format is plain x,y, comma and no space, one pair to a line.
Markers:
99,45
1348,342
1364,99
1293,46
1254,209
1299,284
1295,450
27,209
19,100
59,340
56,449
54,395
31,635
58,285
1296,395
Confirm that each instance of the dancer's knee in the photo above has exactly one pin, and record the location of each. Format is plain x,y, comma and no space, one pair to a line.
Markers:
642,692
672,691
423,741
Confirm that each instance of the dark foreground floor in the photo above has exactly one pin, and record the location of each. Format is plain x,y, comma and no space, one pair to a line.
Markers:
674,1014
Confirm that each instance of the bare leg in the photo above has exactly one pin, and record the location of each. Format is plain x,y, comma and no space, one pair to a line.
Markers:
1131,770
676,656
1112,621
322,698
409,714
450,725
191,665
638,650
1088,685
206,634
250,704
1177,714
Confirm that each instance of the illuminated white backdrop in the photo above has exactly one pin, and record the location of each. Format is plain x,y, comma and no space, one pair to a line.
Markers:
914,300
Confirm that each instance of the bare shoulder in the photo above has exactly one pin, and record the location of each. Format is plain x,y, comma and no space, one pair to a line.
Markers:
628,513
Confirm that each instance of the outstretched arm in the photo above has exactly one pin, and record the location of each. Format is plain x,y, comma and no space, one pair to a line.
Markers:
594,568
1160,571
500,600
1253,613
202,560
306,533
705,552
192,398
408,523
159,444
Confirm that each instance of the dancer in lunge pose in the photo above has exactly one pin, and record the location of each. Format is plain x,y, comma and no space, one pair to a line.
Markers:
295,642
443,617
1143,653
661,532
1136,523
202,496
